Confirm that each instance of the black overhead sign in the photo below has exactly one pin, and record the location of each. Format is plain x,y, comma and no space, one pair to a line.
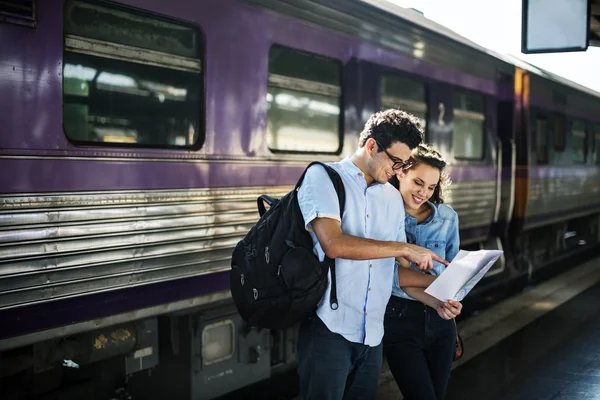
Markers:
550,26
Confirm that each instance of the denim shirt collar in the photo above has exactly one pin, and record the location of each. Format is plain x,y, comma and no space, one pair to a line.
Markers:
434,217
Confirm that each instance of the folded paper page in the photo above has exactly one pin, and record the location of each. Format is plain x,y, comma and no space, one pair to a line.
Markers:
463,273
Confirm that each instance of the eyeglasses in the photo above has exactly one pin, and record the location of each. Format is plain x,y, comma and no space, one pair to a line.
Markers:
398,163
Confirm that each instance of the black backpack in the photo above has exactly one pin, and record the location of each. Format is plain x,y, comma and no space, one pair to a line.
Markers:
276,279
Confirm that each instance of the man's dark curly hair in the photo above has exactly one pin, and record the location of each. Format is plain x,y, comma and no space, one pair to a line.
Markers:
390,126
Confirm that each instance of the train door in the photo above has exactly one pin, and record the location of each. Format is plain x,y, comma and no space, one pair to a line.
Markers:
520,181
506,152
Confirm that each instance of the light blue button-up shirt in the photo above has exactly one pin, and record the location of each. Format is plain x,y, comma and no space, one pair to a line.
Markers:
438,233
363,286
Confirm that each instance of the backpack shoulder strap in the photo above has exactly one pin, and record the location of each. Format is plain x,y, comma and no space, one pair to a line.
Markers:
336,179
338,184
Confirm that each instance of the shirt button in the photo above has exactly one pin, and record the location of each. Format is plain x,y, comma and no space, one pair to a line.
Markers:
368,216
369,289
370,265
366,314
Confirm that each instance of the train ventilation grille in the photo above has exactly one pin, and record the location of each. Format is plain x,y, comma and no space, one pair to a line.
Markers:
20,12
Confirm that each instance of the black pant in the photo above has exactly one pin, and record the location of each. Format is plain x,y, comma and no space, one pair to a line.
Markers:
419,347
333,368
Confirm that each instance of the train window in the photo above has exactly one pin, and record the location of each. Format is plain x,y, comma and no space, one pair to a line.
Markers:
130,79
559,130
303,102
578,143
468,125
406,94
596,137
541,140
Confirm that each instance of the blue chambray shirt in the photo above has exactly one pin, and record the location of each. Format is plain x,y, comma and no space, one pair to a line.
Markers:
363,286
438,233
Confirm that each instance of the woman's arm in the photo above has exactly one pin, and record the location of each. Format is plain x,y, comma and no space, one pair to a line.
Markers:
419,294
446,310
411,278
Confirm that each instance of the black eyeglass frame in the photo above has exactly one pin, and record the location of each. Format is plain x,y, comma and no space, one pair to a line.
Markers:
397,164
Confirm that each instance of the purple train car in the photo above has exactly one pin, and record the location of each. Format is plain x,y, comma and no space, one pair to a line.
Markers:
135,137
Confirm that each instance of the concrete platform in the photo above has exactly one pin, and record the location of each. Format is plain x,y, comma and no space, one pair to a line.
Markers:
541,344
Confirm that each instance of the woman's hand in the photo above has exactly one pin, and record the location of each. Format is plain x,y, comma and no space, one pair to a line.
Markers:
449,309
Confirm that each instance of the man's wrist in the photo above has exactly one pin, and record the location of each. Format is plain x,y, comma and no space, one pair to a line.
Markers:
402,250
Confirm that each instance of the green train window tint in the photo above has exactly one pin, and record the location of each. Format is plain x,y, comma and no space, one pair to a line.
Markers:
578,146
541,140
468,126
405,94
304,102
130,79
559,132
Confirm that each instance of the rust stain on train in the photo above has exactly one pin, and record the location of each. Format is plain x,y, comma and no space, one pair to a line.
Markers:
121,334
100,342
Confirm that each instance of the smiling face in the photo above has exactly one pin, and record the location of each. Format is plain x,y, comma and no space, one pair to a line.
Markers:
417,185
380,163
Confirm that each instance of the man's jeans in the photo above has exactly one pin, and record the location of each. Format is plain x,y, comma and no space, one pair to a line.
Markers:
332,368
419,347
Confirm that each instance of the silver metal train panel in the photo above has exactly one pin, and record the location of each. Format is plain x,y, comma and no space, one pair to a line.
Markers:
62,245
475,203
563,198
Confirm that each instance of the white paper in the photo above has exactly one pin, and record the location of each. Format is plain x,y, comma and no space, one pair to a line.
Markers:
463,273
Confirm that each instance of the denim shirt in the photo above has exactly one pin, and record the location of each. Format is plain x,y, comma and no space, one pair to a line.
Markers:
364,287
438,233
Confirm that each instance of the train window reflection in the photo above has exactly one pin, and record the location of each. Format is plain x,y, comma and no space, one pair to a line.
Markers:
405,94
559,132
541,140
309,67
468,126
578,142
122,96
303,103
113,24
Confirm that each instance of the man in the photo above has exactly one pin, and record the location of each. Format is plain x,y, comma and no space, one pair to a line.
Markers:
340,350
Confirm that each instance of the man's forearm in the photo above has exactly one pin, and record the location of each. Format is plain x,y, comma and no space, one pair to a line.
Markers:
357,248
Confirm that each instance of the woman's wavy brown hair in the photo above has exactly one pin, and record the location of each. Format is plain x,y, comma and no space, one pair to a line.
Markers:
424,153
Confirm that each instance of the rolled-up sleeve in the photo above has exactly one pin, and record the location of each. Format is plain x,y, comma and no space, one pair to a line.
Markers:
453,239
401,235
317,197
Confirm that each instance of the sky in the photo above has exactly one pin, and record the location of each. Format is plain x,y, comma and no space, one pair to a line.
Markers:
497,25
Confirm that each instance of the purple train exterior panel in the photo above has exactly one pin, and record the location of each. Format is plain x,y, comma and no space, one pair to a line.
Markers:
234,157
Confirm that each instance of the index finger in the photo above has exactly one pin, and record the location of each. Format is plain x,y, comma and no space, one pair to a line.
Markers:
439,259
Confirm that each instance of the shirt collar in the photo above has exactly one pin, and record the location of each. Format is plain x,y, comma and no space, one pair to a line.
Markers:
434,217
436,213
354,171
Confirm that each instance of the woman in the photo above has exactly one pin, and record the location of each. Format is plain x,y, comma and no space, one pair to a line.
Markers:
420,335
